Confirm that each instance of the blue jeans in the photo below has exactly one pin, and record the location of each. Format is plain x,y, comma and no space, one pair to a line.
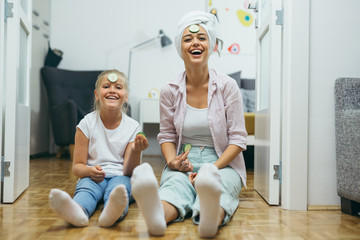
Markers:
176,188
89,193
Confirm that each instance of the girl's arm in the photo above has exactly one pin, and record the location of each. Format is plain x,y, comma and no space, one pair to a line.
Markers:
79,168
133,153
228,156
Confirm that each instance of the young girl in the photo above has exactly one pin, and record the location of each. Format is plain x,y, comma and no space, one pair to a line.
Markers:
107,149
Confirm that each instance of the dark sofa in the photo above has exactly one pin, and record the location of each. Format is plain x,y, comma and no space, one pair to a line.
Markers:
70,95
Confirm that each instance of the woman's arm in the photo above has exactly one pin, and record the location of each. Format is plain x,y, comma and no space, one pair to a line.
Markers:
133,154
235,125
79,168
168,136
180,163
235,120
228,156
168,150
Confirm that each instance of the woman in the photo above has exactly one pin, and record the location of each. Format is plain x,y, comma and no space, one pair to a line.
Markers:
203,108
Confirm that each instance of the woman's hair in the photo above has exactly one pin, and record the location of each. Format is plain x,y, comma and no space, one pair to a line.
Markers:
124,80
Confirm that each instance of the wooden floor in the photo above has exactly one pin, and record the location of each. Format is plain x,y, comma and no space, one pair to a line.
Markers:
30,217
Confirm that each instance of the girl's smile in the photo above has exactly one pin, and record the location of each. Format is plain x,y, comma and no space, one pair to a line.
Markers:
111,94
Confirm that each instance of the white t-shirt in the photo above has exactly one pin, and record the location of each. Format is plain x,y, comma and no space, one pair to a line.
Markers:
107,146
196,129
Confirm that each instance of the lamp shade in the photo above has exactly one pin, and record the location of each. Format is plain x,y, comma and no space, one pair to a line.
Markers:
165,40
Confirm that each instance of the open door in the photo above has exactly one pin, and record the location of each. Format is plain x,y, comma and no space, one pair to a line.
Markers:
2,91
16,35
267,164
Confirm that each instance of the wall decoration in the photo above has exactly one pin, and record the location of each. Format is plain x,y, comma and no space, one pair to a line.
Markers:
245,18
236,25
154,93
234,48
214,11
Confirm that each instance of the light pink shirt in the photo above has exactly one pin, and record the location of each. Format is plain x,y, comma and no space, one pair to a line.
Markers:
225,115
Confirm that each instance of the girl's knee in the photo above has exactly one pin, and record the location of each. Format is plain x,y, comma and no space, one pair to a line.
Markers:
87,186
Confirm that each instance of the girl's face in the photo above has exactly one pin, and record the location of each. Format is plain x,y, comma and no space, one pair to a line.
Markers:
195,46
111,95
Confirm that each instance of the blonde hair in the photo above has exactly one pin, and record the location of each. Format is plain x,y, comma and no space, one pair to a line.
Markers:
124,80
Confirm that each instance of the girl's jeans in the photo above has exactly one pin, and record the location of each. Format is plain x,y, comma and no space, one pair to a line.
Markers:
88,193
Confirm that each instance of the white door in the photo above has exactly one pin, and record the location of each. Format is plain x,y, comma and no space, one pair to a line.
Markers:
16,112
2,66
267,167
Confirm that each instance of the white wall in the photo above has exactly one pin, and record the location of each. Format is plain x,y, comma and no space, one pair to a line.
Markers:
334,53
40,121
99,34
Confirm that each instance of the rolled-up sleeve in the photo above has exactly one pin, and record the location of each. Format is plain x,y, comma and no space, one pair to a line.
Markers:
226,115
235,115
167,112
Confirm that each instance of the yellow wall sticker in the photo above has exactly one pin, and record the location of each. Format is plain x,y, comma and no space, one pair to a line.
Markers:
245,18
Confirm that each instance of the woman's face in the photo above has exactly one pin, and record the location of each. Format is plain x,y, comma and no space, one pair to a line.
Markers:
195,46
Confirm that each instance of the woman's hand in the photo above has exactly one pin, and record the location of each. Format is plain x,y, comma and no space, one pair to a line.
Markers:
181,163
96,173
192,177
140,143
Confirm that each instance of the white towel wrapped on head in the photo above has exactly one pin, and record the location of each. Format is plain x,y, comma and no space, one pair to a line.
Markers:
206,20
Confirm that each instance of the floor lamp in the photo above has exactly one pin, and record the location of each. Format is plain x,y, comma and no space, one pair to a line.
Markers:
164,40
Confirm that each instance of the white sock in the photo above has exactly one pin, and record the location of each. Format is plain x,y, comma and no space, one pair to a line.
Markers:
208,188
65,207
115,207
145,191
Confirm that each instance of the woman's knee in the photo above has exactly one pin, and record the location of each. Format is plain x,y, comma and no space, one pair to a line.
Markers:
173,176
178,181
231,181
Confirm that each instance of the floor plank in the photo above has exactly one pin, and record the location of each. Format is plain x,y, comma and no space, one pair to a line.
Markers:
31,218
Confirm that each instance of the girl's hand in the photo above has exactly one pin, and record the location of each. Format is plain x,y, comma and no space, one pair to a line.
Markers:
181,163
97,174
192,177
140,143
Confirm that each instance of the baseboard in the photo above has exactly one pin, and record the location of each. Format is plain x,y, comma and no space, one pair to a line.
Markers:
323,207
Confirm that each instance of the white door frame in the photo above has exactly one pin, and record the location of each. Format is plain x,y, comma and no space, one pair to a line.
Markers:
295,94
295,100
2,66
